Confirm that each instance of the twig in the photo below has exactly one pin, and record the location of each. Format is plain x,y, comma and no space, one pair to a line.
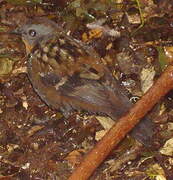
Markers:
94,158
141,17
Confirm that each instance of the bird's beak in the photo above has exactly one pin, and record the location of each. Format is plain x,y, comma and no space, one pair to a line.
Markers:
16,31
19,31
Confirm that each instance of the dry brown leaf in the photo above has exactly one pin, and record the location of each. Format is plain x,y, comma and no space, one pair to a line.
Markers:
34,129
75,157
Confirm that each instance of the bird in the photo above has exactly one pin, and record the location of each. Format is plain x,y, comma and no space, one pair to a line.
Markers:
69,75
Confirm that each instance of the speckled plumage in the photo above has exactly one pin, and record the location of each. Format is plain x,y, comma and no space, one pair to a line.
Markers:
68,75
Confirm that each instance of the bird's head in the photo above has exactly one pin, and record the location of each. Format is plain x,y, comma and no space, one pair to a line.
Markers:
36,30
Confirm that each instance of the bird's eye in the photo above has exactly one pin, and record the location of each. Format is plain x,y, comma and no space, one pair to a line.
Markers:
32,33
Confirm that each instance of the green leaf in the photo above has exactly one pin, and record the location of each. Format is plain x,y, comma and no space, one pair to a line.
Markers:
24,2
162,58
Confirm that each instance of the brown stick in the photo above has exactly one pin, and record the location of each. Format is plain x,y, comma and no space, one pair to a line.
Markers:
94,158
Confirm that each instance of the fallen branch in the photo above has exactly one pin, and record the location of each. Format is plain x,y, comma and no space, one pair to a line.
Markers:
94,158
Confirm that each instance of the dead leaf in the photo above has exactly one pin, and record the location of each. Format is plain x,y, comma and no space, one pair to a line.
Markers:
167,148
75,157
147,77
